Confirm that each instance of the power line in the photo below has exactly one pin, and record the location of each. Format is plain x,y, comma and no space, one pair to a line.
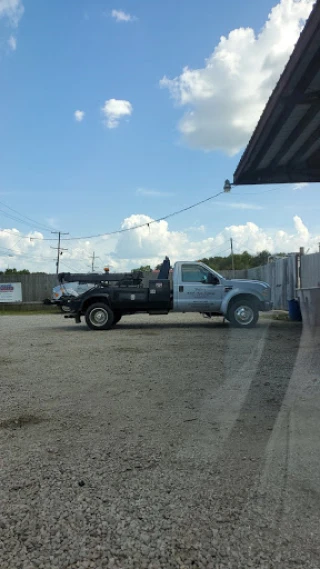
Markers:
245,247
145,224
215,254
23,256
21,215
72,269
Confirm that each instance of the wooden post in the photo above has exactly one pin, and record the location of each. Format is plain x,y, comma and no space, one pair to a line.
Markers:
301,253
232,257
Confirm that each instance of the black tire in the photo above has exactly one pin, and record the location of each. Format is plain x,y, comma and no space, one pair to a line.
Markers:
116,318
99,316
243,313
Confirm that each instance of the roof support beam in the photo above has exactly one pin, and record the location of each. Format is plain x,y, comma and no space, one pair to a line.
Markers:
294,136
309,98
287,109
282,175
299,154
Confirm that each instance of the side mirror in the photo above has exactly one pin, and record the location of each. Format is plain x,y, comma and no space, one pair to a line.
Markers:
213,279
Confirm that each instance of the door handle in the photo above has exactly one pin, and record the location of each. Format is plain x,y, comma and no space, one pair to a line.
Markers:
180,288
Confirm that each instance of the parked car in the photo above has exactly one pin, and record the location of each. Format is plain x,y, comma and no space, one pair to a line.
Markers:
67,290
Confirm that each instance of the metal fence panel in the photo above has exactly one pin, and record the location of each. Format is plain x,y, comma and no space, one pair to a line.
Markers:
310,270
281,274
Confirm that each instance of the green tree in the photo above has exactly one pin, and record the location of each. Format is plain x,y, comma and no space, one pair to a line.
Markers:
261,259
16,272
144,268
241,261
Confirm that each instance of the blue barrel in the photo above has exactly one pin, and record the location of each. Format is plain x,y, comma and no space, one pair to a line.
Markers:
294,310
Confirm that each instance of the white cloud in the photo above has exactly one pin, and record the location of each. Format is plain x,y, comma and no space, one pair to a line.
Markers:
153,193
121,16
225,98
12,42
301,230
12,10
114,110
196,228
300,186
79,116
240,205
148,245
52,222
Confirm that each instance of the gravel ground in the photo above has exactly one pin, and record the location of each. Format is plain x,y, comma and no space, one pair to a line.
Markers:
168,442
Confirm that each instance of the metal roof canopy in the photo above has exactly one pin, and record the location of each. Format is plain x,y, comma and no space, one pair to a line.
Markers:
285,146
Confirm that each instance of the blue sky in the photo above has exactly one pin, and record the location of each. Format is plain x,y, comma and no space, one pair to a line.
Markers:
58,57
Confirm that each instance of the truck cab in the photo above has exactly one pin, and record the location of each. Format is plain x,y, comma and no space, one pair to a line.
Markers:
198,288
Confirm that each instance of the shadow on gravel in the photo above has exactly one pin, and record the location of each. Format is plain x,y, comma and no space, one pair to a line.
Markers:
124,326
246,445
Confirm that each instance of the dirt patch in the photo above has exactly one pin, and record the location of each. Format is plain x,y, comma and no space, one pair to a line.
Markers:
5,361
20,422
131,349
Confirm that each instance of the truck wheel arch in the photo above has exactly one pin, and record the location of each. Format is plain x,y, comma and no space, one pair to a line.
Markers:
94,300
234,296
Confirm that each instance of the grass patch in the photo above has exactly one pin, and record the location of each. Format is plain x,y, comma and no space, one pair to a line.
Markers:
30,312
282,316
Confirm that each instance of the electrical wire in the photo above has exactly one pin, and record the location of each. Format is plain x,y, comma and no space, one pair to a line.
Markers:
29,219
245,247
146,224
213,253
125,230
72,269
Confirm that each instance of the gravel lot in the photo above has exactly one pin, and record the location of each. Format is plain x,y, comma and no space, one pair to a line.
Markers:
168,442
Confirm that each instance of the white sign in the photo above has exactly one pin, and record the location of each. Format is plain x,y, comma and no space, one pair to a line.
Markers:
10,292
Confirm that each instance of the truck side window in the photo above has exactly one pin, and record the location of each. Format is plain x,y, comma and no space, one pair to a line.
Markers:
194,274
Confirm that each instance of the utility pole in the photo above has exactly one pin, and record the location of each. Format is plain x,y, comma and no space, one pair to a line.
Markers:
93,260
232,257
59,249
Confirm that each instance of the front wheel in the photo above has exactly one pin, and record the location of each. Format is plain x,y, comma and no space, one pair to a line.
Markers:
243,314
99,316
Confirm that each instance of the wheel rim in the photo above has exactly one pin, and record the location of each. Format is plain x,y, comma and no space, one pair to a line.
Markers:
244,315
98,317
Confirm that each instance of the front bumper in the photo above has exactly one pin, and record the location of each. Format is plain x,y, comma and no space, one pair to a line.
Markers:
266,305
70,302
74,307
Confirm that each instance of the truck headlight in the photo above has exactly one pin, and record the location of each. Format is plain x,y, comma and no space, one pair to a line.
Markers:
266,293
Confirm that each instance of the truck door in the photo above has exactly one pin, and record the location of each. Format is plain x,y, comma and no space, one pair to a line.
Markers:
198,290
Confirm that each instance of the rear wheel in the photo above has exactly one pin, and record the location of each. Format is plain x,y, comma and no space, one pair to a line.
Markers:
243,313
99,316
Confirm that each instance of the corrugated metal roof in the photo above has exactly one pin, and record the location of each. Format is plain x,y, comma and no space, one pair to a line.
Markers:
285,145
